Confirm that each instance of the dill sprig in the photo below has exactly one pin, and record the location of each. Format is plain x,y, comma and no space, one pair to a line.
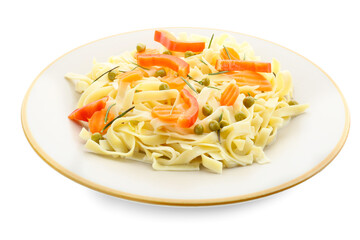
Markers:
212,36
140,66
227,52
121,115
218,131
104,74
213,87
221,116
217,73
203,62
172,109
199,82
107,112
190,77
190,86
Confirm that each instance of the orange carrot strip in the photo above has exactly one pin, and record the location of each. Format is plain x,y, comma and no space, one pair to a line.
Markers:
147,51
239,65
233,54
163,60
97,121
131,76
250,78
229,95
174,82
184,115
163,113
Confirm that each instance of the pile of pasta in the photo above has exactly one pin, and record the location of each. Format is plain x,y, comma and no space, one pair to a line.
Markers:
140,136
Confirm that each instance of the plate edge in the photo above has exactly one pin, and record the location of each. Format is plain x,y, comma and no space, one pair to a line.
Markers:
184,202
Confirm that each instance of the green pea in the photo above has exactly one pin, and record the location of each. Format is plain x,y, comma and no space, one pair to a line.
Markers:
160,73
96,137
198,90
199,129
111,76
167,52
293,102
207,110
189,54
205,81
164,86
224,123
214,125
240,116
140,47
248,101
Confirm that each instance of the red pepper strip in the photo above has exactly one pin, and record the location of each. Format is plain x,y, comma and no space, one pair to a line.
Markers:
238,65
170,42
85,113
188,118
164,60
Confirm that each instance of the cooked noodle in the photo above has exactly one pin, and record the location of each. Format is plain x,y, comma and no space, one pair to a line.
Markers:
140,136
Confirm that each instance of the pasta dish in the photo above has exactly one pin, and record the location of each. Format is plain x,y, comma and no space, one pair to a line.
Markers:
193,102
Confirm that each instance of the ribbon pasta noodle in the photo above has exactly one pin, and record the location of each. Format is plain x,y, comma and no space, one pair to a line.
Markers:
140,136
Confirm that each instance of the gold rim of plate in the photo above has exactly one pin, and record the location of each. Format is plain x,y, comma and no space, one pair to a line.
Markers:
184,202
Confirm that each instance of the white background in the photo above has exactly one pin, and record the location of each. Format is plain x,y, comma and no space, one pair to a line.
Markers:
36,202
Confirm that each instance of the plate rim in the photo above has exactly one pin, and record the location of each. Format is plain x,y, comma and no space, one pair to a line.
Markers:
182,202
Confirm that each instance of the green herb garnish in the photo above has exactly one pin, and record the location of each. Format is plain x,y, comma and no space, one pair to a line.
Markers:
199,82
190,77
244,56
213,87
172,109
121,115
203,62
221,72
190,86
274,74
211,41
107,112
140,66
104,74
227,52
221,116
122,71
218,131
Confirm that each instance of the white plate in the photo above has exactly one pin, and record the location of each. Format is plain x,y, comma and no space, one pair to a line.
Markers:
303,147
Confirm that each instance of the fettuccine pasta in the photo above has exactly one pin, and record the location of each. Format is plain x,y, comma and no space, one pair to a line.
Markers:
214,106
